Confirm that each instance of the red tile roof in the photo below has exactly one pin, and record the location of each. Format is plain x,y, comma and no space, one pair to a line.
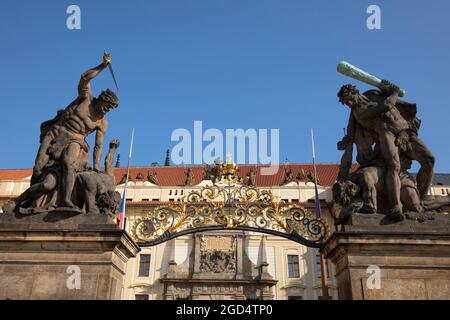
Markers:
15,174
174,175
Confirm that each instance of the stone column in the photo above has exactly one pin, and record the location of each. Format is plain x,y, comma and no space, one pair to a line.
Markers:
171,272
197,240
264,266
62,255
410,259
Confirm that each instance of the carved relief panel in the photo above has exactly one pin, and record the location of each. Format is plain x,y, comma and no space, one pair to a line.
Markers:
217,254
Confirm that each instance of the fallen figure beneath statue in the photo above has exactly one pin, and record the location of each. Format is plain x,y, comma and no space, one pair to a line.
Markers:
94,191
363,192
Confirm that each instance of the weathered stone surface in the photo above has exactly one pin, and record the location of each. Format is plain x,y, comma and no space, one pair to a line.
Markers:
62,176
439,222
59,219
36,252
385,131
414,258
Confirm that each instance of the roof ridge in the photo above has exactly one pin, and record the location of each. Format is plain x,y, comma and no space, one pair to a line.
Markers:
239,164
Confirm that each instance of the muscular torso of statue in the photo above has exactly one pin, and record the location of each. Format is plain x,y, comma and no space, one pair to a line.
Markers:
378,115
83,119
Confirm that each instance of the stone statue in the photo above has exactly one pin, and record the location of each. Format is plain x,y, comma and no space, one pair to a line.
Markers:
189,177
96,190
288,176
208,172
250,179
63,138
93,191
212,172
312,178
301,176
63,152
139,176
364,192
123,179
384,130
151,177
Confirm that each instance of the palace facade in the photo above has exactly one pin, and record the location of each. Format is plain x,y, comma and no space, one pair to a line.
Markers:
225,264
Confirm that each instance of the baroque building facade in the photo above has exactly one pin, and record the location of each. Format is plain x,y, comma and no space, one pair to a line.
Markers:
222,264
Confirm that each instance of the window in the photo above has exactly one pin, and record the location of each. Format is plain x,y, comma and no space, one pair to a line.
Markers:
293,266
295,298
141,297
144,265
145,199
318,271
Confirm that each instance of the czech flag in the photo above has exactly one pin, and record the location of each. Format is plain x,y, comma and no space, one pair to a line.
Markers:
121,219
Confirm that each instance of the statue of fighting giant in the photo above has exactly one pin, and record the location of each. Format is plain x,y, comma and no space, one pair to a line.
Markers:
384,129
64,153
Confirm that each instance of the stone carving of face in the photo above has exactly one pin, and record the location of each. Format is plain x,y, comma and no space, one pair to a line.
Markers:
345,191
348,95
106,101
103,106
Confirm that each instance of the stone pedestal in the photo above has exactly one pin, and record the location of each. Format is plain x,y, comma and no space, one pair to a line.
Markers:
413,258
62,255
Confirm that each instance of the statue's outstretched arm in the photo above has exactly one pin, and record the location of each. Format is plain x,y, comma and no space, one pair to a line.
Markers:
84,88
113,145
349,137
99,136
346,163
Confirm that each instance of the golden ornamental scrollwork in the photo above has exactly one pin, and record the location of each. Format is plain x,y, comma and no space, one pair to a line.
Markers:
229,205
255,210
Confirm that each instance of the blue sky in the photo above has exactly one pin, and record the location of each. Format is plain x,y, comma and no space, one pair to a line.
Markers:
232,64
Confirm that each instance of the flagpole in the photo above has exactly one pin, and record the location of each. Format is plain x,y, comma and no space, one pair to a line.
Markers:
317,200
325,294
124,200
